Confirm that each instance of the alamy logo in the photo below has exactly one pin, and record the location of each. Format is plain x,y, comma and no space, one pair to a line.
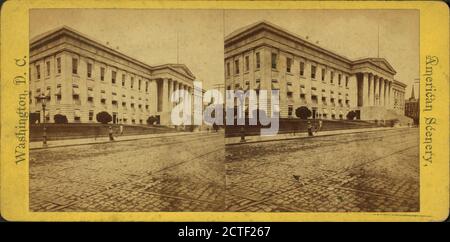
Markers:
239,107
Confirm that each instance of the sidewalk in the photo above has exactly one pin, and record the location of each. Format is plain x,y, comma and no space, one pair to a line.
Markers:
99,140
257,138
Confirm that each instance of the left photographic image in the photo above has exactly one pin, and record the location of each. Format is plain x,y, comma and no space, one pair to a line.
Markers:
104,85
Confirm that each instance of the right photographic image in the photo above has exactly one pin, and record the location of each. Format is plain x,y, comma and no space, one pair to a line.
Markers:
324,107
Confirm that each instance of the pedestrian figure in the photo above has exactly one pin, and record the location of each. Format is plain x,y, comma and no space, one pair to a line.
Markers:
111,138
121,129
320,126
310,133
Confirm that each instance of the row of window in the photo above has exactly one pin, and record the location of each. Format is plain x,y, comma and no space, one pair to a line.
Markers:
89,73
47,68
90,98
275,86
289,63
324,100
314,98
247,64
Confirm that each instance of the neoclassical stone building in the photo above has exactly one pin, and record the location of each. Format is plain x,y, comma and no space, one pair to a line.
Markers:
82,77
263,56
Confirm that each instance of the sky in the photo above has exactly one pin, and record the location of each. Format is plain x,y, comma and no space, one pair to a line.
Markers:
151,35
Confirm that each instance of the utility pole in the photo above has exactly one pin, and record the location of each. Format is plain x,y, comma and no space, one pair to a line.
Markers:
178,54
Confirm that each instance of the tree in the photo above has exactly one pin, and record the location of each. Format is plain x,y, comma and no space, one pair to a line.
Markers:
151,120
103,117
303,112
34,118
60,119
351,115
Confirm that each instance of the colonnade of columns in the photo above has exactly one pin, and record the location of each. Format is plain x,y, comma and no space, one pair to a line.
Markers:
169,87
376,90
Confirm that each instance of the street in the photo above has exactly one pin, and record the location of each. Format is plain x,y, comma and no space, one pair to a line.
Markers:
161,174
371,171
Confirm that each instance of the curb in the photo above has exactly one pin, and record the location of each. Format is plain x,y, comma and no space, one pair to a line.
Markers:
305,137
104,142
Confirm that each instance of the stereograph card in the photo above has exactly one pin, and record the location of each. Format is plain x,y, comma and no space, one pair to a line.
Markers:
224,111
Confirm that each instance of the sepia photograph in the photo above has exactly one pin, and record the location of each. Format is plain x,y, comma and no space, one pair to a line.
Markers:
347,137
103,138
145,110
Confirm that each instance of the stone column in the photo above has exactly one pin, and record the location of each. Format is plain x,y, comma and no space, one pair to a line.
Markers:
188,93
174,89
170,88
365,89
385,97
385,93
376,100
184,88
370,91
153,89
180,88
394,93
389,94
375,91
382,92
165,115
171,85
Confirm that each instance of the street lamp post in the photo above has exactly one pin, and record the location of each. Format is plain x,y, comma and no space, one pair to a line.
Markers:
43,98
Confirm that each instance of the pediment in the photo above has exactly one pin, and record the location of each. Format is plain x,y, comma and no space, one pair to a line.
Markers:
177,68
182,68
382,63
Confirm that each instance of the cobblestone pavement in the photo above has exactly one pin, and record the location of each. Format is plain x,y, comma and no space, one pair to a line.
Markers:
162,174
373,171
369,172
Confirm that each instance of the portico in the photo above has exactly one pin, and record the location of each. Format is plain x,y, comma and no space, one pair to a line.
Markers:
373,90
167,84
374,87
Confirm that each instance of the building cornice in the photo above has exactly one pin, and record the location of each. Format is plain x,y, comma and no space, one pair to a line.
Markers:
86,53
396,82
262,26
69,32
266,26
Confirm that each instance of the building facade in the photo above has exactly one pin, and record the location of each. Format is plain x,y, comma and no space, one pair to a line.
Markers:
263,56
82,77
398,92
